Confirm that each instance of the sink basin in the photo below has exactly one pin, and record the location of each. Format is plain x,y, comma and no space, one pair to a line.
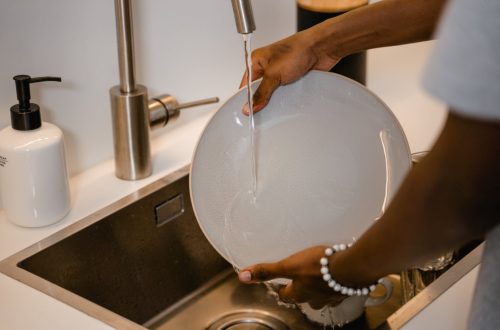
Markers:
143,262
133,262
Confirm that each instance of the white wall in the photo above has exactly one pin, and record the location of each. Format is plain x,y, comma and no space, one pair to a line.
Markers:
186,48
395,74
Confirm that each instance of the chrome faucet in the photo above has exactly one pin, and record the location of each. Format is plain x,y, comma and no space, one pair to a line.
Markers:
243,16
133,115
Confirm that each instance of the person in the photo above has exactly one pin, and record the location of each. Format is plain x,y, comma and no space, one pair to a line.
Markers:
453,196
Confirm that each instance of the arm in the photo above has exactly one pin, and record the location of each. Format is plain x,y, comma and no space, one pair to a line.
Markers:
385,23
451,197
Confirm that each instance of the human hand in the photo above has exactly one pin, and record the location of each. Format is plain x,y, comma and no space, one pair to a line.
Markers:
303,268
286,61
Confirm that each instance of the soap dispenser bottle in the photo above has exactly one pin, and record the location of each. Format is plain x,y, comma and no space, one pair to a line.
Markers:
34,185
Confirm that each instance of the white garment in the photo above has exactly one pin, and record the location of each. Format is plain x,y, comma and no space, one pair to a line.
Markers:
464,68
464,71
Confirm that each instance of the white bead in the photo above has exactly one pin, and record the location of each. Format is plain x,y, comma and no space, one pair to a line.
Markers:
372,287
327,277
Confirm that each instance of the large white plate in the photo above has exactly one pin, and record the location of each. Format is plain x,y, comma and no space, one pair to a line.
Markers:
330,155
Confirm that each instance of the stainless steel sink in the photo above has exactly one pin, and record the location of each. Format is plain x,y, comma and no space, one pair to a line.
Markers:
143,262
138,262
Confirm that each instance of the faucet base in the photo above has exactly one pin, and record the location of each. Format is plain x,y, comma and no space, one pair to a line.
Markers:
131,133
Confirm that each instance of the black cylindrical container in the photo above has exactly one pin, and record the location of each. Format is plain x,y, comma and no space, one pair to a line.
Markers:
310,12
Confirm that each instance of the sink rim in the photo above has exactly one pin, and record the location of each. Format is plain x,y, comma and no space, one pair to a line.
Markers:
9,267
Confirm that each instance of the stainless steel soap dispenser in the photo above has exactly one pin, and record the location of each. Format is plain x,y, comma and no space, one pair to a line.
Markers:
34,186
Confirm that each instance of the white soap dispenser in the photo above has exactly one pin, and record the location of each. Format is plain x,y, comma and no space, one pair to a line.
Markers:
34,185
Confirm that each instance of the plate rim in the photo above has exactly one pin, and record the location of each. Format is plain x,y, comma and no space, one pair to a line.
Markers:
257,82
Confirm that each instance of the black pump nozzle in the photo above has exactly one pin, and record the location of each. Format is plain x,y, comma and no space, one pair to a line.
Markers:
23,88
25,116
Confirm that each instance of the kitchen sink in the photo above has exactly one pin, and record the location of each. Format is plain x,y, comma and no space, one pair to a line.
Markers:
143,262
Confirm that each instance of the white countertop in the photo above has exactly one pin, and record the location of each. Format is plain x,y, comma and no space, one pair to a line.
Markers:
22,307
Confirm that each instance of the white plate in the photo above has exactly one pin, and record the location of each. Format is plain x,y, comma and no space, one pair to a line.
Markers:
329,154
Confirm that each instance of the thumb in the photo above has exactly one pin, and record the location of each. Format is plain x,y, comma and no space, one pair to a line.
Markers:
261,273
263,93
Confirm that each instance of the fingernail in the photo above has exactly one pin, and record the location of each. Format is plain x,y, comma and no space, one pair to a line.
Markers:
246,109
245,276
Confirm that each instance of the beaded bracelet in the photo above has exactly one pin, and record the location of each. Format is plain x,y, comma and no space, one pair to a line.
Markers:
337,287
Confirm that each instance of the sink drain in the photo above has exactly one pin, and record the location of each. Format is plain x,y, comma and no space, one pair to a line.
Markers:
248,321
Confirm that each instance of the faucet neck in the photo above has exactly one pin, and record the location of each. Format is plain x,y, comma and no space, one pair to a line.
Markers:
125,41
243,16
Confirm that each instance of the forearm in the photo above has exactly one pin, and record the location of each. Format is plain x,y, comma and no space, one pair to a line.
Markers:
385,23
450,198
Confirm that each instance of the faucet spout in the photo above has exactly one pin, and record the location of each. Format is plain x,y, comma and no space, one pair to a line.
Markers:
243,16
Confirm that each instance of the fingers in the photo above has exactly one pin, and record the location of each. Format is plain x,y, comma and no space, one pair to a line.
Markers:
261,273
263,93
316,304
258,60
303,268
304,263
293,292
270,80
299,292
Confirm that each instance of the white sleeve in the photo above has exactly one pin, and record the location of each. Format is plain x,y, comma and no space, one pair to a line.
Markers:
464,67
